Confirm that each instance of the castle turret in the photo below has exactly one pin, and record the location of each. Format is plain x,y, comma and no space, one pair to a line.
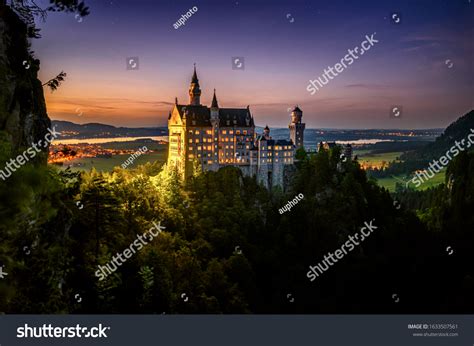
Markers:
195,90
266,132
214,111
297,127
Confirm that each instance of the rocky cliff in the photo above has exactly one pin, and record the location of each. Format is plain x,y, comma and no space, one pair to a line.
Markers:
23,116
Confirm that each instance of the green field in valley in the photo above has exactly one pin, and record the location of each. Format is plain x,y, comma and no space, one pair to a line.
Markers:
389,183
379,159
107,164
367,158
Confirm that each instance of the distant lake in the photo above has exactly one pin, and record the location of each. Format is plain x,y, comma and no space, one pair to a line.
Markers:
107,140
368,141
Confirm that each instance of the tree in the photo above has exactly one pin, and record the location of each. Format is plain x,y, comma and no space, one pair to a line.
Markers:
55,82
28,10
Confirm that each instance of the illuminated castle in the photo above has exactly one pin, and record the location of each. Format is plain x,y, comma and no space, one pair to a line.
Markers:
215,137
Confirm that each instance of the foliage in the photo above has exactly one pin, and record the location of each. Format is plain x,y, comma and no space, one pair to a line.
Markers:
55,82
28,10
225,246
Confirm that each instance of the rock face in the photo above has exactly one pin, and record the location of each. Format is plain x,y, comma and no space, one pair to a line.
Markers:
23,116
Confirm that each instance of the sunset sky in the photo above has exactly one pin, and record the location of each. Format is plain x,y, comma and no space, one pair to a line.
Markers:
424,63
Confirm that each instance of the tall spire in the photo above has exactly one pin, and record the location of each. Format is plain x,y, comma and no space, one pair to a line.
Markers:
214,101
195,77
194,90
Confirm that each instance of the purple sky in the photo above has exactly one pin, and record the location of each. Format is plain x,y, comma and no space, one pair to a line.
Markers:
284,44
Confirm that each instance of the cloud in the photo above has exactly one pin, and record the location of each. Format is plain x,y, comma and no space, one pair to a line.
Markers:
107,106
368,86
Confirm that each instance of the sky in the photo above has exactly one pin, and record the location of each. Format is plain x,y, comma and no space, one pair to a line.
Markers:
422,62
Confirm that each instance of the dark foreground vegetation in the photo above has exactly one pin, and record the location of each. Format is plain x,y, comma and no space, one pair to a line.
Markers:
227,247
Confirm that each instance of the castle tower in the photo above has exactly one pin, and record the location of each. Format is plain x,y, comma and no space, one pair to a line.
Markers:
195,90
214,111
297,127
266,132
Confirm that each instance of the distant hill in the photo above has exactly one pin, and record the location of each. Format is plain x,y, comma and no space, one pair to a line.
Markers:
95,130
422,156
312,136
457,131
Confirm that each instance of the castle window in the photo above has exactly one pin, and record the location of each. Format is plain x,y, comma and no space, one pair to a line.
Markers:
237,132
190,156
197,132
209,162
209,132
269,147
276,160
199,147
199,155
231,132
224,132
197,140
190,132
246,147
190,140
245,132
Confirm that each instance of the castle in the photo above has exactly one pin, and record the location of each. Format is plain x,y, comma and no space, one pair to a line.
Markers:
215,137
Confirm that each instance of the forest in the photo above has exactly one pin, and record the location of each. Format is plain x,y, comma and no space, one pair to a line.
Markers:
226,248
